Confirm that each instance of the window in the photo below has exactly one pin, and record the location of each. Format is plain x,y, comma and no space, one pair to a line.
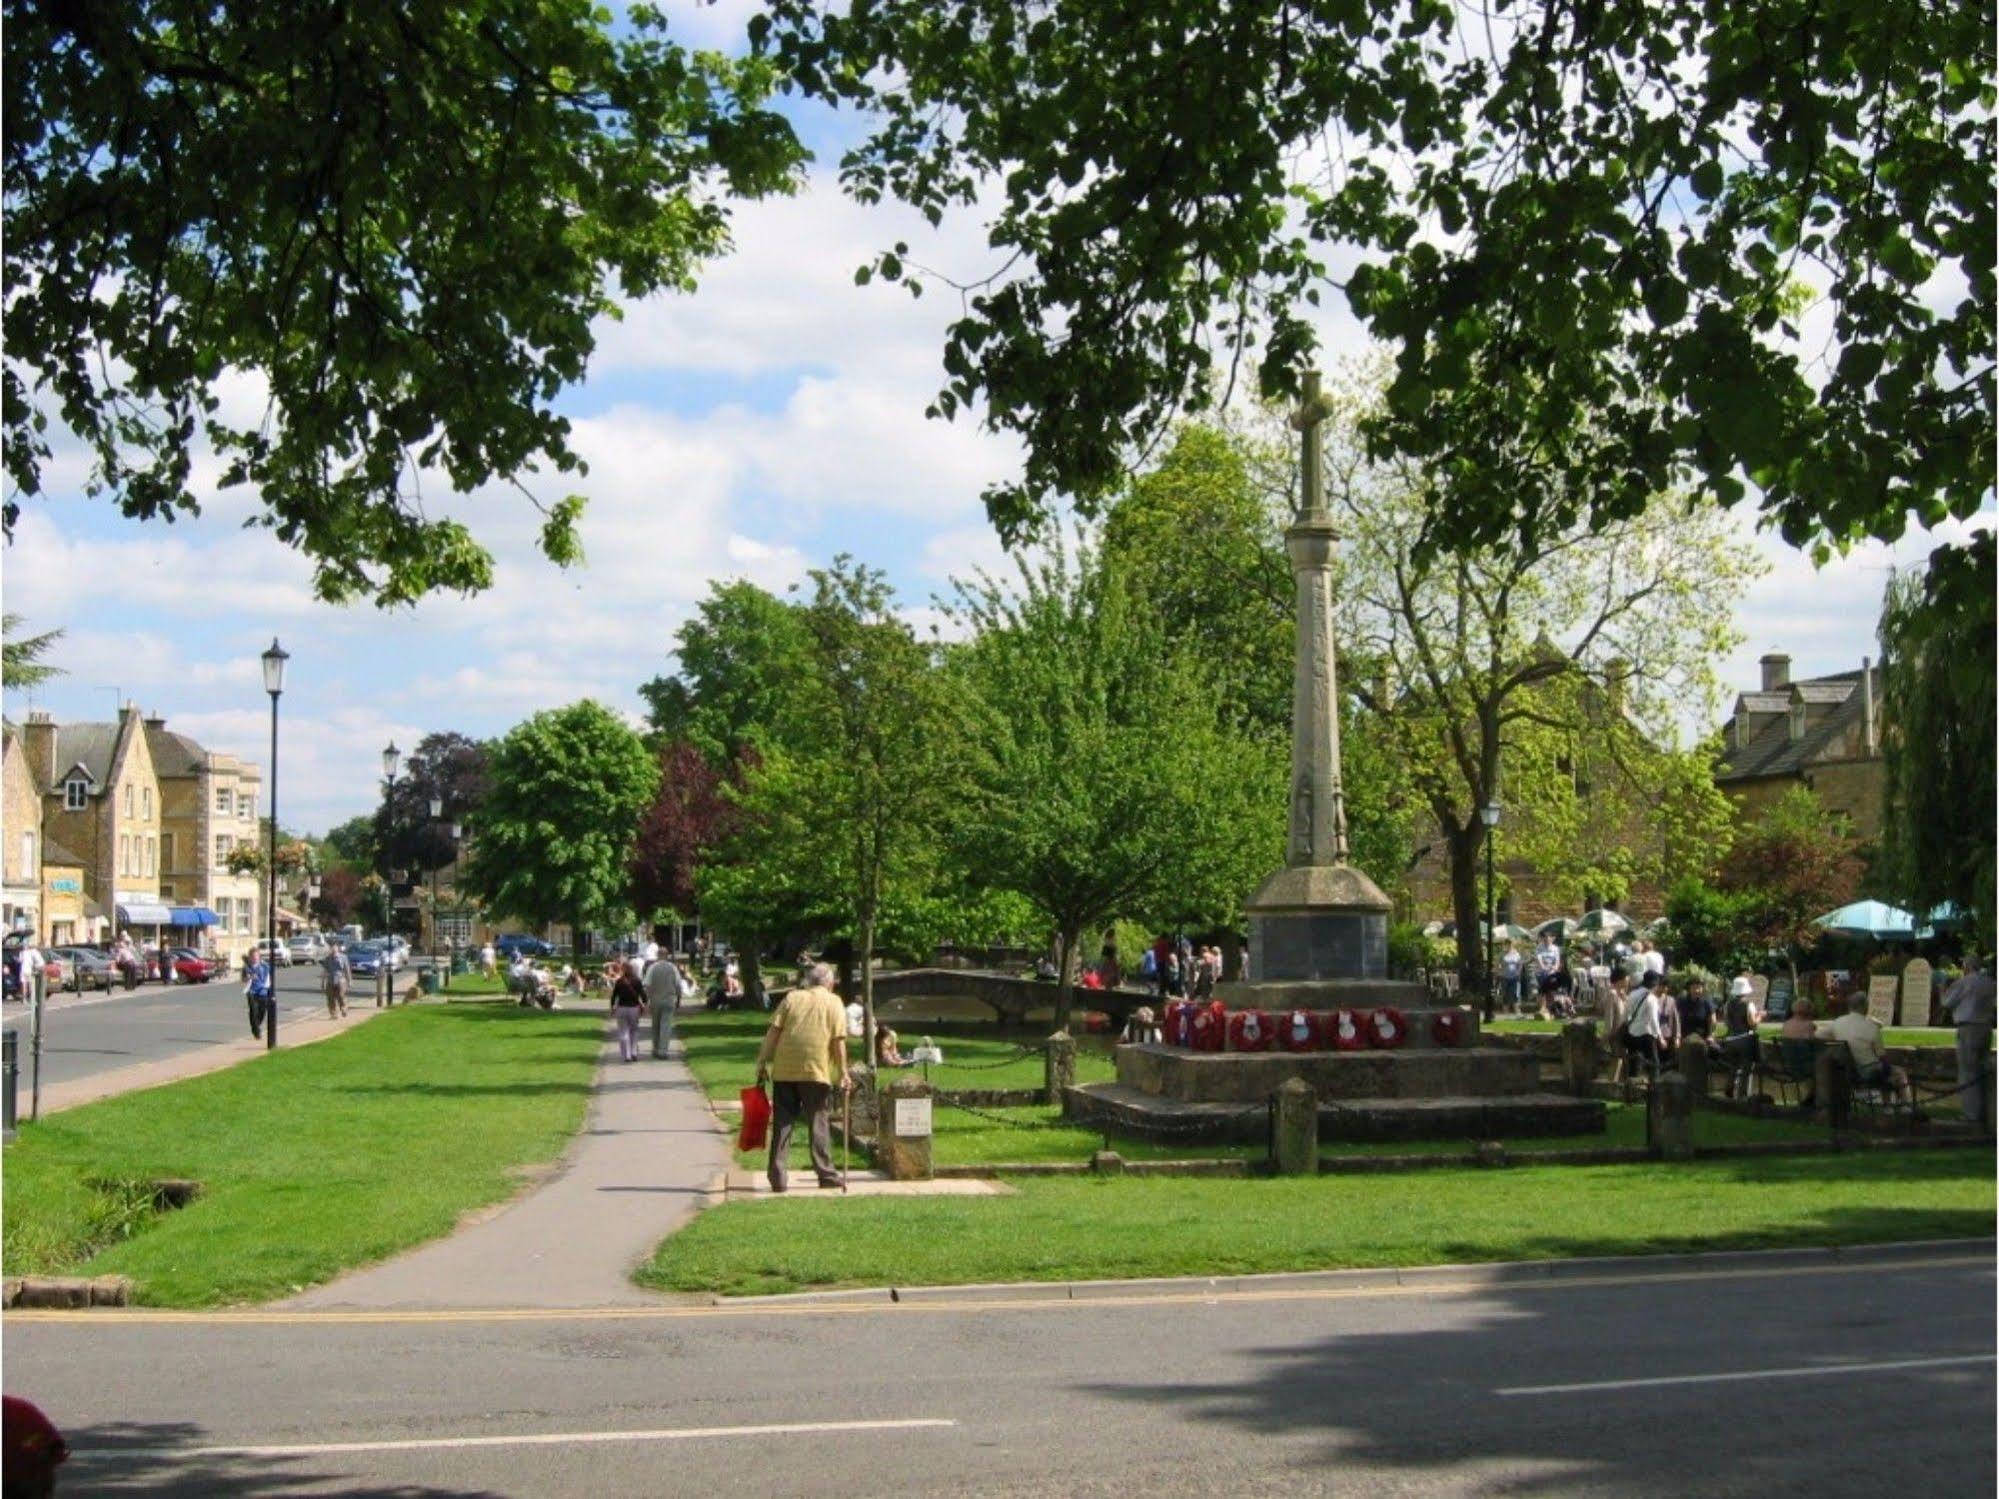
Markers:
222,801
75,794
146,801
128,798
28,856
124,854
246,806
167,851
245,910
223,843
152,854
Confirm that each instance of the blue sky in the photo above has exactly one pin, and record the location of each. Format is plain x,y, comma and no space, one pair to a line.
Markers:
751,430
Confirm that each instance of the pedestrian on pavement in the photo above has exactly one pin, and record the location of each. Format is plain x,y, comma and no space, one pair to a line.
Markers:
628,1003
804,1054
488,960
257,991
663,991
127,959
336,976
1969,1002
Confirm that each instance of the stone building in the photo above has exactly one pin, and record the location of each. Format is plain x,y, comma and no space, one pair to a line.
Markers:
212,804
101,800
21,818
68,915
1823,733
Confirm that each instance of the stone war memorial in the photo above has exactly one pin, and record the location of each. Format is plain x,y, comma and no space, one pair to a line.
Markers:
1383,1059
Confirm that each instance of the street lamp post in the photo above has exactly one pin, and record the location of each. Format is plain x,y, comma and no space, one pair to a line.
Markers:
274,683
384,978
436,816
1489,815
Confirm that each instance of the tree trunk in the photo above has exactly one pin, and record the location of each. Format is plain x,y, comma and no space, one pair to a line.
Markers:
1068,939
865,955
749,972
1465,844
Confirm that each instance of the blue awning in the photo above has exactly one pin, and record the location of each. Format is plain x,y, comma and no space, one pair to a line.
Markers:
193,916
143,914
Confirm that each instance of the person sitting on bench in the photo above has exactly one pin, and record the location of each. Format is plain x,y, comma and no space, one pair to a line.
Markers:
1862,1035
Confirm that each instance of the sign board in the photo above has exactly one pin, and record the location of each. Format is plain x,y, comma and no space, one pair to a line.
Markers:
66,886
1918,992
1881,991
912,1116
1779,996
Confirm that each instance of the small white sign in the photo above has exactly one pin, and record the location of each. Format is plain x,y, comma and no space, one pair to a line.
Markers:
912,1116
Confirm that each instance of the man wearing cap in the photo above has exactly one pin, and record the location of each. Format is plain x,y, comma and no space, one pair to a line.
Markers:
1969,1002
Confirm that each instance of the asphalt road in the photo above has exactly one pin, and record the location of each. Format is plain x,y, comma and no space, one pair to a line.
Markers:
96,1032
1823,1378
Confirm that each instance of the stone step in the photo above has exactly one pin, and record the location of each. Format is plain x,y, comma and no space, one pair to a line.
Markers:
1408,1073
1379,1119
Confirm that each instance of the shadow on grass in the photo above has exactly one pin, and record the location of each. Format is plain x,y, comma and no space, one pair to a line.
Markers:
164,1457
466,1090
1450,1397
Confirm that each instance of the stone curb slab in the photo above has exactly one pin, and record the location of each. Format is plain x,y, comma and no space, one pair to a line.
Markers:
1510,1272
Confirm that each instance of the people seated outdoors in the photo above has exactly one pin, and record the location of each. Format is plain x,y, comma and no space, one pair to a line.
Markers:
1044,968
1141,1029
1862,1035
1090,979
1739,1045
887,1052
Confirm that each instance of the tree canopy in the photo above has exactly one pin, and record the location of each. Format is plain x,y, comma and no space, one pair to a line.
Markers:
447,767
355,252
1579,226
21,655
1939,663
551,840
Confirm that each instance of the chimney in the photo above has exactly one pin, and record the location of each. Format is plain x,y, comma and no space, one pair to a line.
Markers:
156,720
1867,740
1776,671
39,735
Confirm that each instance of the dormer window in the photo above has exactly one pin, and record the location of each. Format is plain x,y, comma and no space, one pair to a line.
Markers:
75,794
1797,720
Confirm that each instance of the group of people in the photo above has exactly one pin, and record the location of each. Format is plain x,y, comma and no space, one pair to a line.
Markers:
1553,973
648,982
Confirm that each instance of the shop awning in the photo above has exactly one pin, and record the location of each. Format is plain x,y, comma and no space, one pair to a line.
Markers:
143,914
193,916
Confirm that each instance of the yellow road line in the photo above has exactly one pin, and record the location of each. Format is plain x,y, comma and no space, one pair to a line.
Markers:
143,1318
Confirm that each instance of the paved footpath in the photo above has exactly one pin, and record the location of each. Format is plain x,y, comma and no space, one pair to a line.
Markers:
649,1154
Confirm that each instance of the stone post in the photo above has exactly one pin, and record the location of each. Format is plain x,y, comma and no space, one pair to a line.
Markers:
1060,1068
1669,1117
1832,1084
902,1135
1581,1056
1297,1128
1693,1067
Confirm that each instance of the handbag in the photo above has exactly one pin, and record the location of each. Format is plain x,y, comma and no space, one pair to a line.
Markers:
756,1119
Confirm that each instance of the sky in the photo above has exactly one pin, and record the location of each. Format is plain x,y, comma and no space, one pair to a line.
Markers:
750,430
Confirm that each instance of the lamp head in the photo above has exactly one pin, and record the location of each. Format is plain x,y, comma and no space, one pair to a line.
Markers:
274,667
391,758
1489,814
437,806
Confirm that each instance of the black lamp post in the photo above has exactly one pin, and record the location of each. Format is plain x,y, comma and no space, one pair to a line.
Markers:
436,816
274,683
385,980
1489,815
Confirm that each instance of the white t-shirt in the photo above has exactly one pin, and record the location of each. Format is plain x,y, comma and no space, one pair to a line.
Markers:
651,954
31,964
1644,1013
1861,1034
1655,961
1548,959
1509,963
857,1018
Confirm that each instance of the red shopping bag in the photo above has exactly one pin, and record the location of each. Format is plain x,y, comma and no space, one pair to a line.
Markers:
756,1120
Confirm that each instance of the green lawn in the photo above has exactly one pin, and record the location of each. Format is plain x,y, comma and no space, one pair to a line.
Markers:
1064,1228
312,1160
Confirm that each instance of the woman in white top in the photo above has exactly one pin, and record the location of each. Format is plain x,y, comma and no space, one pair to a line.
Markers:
1641,1027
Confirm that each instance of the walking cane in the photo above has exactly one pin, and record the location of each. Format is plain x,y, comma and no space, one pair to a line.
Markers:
846,1134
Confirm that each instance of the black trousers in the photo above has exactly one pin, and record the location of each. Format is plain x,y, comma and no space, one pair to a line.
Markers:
788,1101
260,1007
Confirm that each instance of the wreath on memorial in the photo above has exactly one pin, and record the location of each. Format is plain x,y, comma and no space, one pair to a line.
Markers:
1301,1031
1349,1030
1387,1028
1447,1028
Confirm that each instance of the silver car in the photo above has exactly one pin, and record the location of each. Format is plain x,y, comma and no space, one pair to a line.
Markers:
86,967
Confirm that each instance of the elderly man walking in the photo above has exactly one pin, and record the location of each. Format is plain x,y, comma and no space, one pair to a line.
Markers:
1969,1002
804,1053
663,991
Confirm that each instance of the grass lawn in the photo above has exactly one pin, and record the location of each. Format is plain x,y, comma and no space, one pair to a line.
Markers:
1066,1228
311,1161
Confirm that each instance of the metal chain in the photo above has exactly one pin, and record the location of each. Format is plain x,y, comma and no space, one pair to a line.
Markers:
1020,1054
1191,1127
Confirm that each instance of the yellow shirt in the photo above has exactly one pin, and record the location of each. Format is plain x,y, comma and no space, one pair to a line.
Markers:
810,1024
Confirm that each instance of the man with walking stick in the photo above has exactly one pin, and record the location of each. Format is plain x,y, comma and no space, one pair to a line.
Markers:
804,1054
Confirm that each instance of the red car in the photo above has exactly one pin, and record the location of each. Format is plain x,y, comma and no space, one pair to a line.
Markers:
190,967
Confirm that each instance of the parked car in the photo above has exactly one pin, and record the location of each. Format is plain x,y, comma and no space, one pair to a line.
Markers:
191,967
510,943
309,948
90,966
367,958
279,952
